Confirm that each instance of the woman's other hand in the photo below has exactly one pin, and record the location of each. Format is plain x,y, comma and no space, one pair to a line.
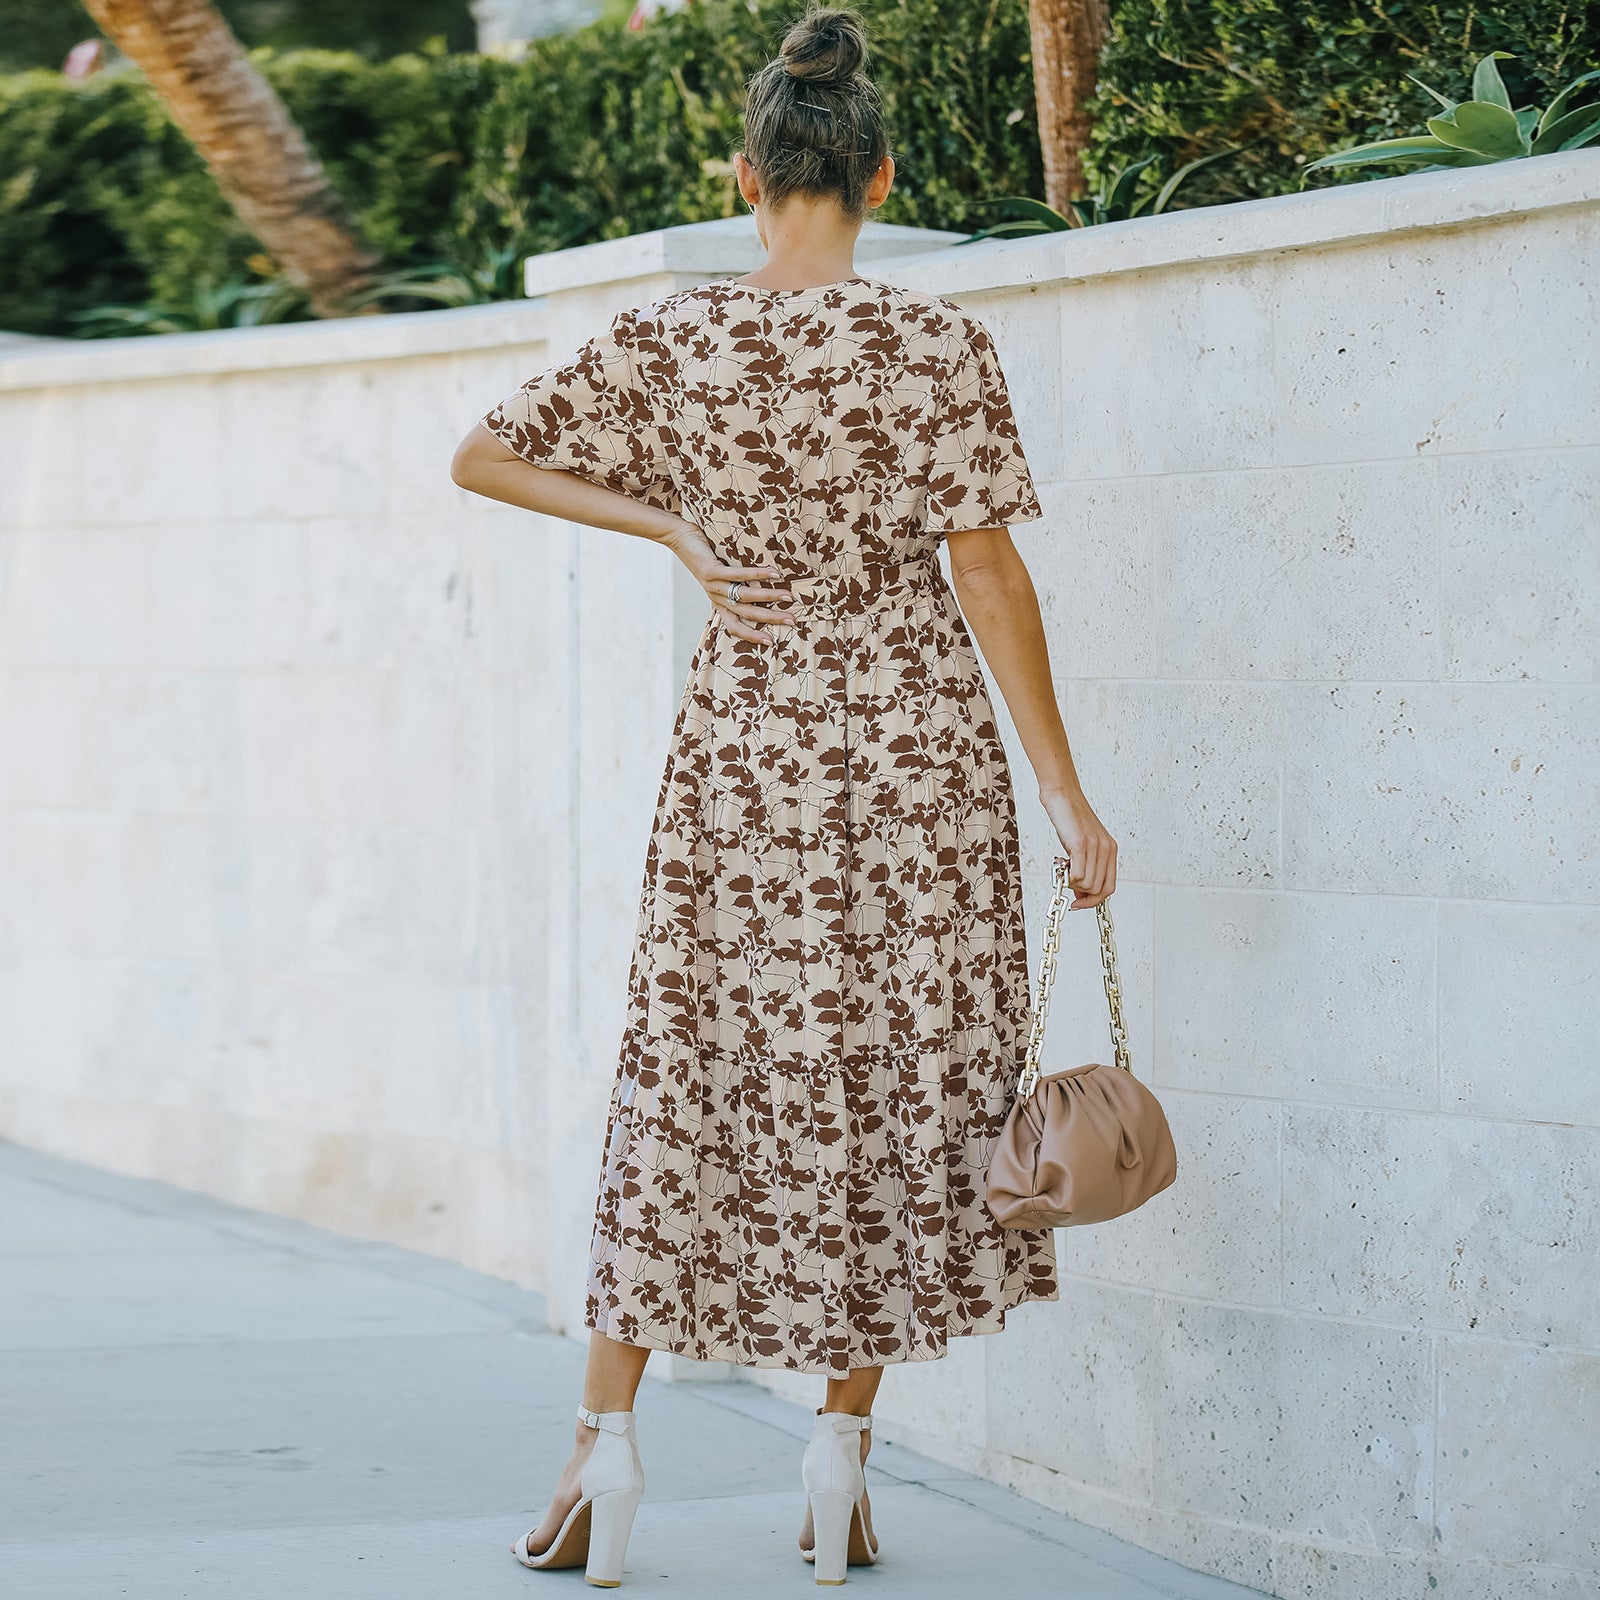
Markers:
761,600
1091,851
484,465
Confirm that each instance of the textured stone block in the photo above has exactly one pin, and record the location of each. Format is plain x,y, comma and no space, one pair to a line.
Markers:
309,443
100,737
394,592
342,898
1310,1427
1461,790
1519,1011
1520,567
1424,348
65,889
79,1030
1325,996
228,595
85,597
405,748
148,452
1213,325
387,1060
1300,572
1517,1477
1302,1569
514,570
175,594
1442,1222
1187,774
31,491
1092,560
1072,1386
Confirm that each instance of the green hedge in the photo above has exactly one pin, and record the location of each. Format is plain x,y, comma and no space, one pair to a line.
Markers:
593,135
604,132
1294,82
38,33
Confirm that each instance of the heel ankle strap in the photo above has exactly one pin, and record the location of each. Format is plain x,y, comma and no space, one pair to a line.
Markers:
865,1421
606,1421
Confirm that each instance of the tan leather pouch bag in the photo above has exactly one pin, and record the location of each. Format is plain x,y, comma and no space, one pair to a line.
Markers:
1085,1144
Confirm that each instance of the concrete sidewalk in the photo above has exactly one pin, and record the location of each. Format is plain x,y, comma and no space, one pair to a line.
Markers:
201,1401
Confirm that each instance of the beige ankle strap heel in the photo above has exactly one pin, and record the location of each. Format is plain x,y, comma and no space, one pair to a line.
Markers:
835,1481
595,1532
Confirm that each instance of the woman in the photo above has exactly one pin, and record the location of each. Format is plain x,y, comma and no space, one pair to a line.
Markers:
829,991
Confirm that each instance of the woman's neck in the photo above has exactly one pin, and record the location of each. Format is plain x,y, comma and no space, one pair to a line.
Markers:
809,242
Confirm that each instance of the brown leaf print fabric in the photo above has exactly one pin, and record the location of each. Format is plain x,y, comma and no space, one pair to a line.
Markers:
828,997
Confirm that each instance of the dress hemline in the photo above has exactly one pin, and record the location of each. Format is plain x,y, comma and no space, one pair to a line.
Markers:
698,1350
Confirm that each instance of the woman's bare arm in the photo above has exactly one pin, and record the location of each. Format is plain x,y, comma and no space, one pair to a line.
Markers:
486,466
998,600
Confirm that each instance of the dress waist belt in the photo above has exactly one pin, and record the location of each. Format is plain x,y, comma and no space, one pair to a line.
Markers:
862,588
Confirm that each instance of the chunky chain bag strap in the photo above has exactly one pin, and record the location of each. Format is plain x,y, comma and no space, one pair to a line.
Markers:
1088,1143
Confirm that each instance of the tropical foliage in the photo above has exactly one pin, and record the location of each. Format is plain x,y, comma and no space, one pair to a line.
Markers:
38,33
453,158
206,308
1289,84
1484,129
452,162
1119,198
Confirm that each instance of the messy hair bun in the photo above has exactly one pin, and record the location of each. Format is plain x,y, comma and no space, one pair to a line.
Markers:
813,121
825,47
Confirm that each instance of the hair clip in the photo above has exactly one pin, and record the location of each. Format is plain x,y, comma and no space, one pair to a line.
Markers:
823,150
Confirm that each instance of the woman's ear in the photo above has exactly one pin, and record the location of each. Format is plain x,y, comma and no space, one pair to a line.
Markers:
880,183
745,176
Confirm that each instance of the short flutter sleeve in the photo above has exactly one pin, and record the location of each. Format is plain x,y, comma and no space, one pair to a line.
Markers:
977,474
593,415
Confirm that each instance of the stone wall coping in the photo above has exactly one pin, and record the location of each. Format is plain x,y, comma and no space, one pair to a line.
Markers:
702,250
284,345
1314,219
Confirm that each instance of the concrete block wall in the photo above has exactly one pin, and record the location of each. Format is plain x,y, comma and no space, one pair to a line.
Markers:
325,793
273,695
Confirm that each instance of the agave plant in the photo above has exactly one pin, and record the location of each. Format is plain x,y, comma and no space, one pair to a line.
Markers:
1484,129
1114,203
446,283
229,305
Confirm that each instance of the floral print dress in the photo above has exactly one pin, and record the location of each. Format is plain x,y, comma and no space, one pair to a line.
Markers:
828,998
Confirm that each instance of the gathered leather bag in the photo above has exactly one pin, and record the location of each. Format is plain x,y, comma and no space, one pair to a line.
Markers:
1085,1144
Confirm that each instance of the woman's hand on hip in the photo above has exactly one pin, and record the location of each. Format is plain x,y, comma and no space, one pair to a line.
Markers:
744,615
1091,850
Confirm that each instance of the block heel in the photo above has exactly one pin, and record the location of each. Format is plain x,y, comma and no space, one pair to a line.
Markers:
610,1522
595,1533
832,1511
835,1484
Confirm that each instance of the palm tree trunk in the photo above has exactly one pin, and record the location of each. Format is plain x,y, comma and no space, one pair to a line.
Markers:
1067,38
252,145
